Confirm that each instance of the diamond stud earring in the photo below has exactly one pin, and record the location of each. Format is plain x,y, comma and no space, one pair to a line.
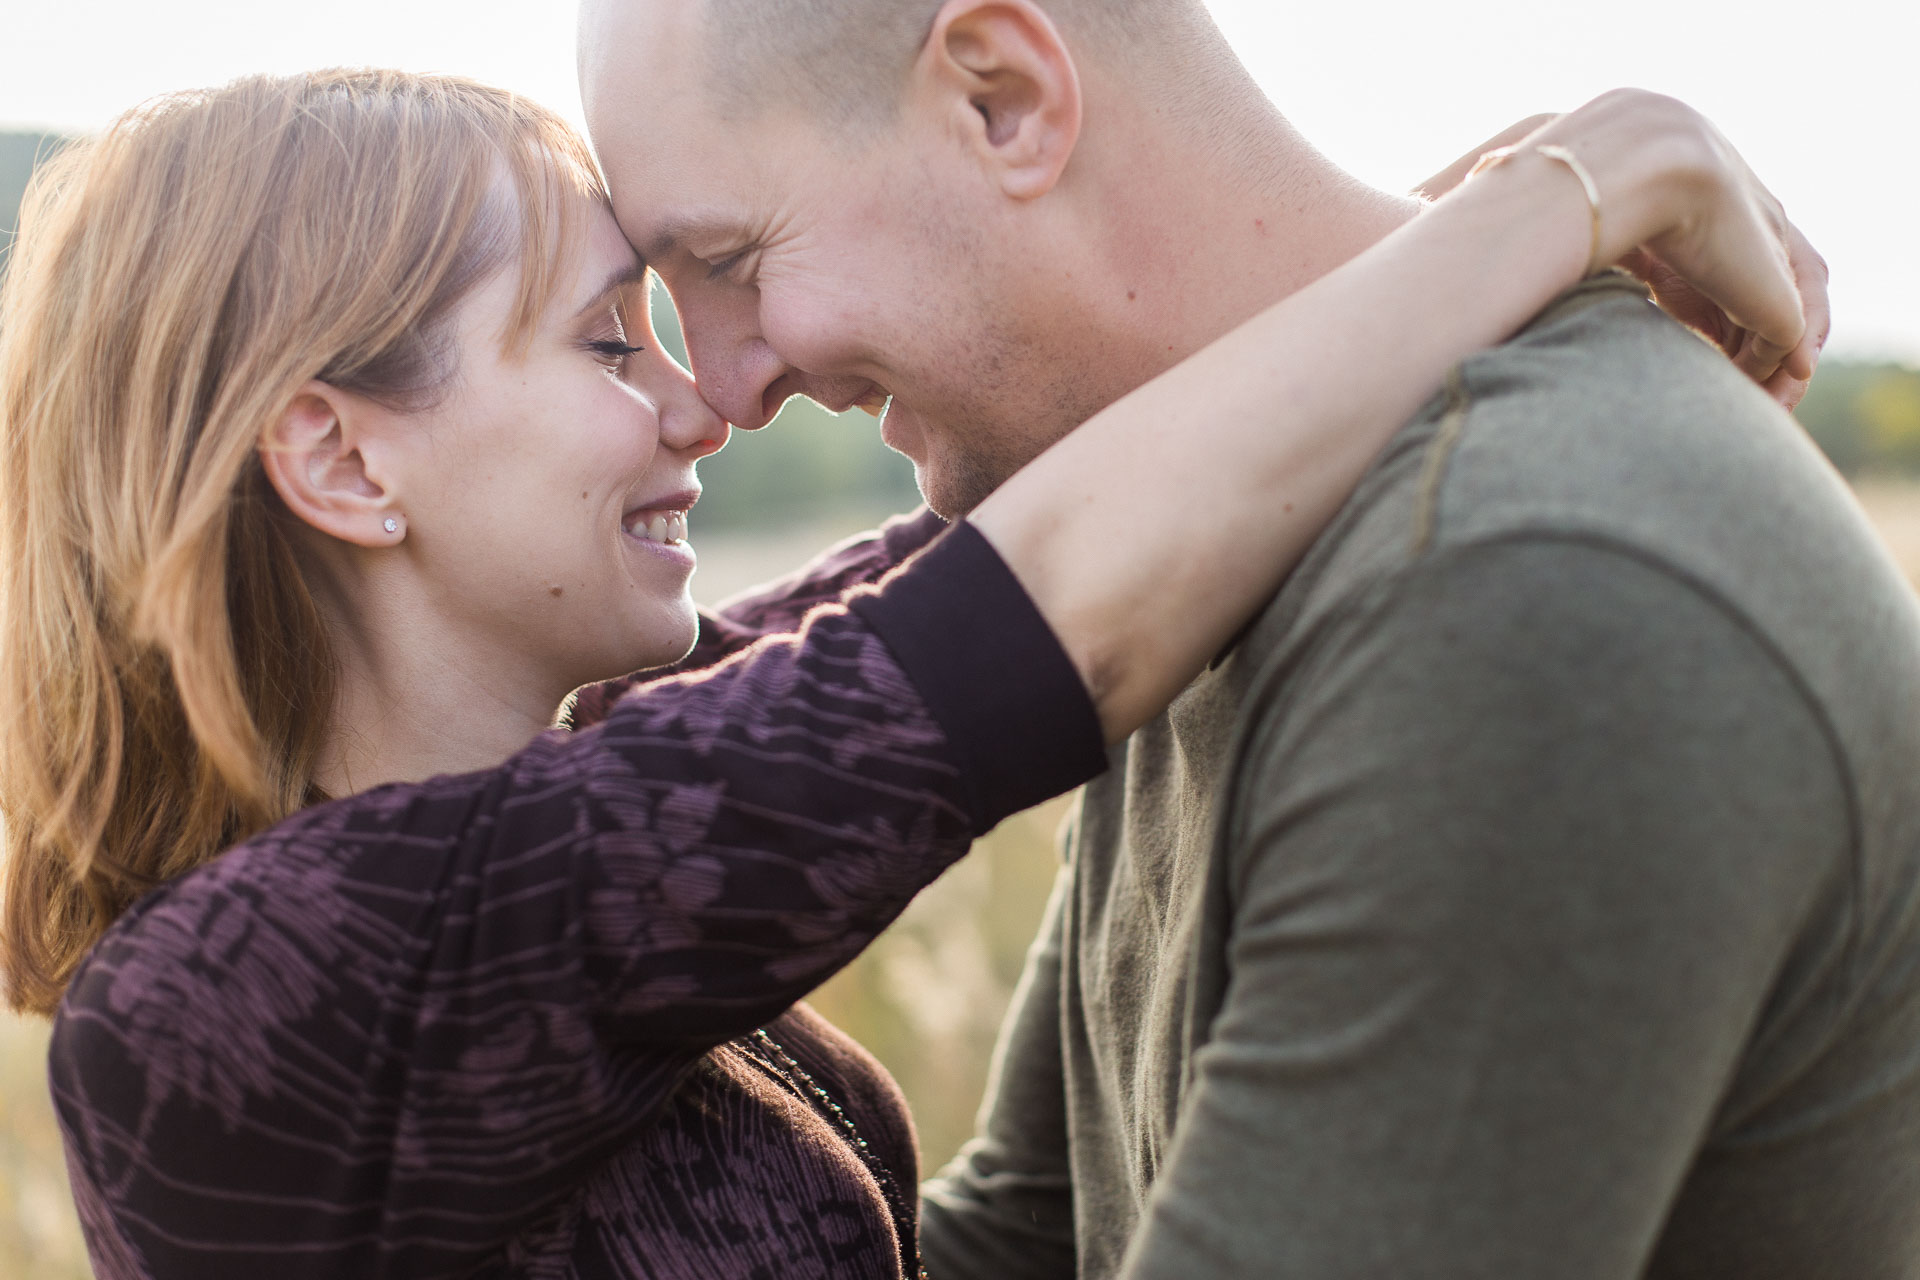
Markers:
392,525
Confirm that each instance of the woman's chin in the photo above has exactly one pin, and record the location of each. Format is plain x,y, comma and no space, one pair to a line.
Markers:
646,637
667,639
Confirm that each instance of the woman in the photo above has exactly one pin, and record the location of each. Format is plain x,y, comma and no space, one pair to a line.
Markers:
337,452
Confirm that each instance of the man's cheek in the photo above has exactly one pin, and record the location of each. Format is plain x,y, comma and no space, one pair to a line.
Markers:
814,330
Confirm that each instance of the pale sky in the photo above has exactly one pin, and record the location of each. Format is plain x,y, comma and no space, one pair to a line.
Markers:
1824,99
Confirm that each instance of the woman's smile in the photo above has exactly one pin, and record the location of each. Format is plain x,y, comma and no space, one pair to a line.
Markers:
661,527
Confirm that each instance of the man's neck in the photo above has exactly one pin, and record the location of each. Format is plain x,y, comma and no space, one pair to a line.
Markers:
1218,233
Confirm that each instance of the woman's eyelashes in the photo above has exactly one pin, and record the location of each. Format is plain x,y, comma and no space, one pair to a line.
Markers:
613,352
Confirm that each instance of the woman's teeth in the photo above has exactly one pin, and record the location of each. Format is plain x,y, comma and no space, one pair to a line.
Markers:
659,526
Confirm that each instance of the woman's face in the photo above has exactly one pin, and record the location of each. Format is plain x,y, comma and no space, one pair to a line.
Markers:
546,494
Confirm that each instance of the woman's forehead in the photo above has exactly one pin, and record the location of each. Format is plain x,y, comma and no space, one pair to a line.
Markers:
604,267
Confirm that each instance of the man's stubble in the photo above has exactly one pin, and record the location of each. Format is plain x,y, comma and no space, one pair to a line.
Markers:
1025,374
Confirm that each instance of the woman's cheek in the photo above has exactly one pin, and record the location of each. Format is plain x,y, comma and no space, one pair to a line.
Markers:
622,428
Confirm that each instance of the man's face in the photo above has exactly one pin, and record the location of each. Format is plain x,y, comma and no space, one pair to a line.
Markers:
845,268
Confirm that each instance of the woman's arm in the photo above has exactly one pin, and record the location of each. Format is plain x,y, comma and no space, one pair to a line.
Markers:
1456,173
1262,435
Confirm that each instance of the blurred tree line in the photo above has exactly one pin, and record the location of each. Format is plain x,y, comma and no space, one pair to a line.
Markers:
1866,416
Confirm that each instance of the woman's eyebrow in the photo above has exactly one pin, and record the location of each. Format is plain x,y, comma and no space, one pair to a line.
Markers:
631,274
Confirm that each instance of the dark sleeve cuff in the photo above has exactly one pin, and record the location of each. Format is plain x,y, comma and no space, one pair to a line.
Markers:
905,534
1022,726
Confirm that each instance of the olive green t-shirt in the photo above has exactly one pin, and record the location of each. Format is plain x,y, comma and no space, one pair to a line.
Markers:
1533,891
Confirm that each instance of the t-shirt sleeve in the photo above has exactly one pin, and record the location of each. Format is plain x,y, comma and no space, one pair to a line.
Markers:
1513,877
775,608
402,1024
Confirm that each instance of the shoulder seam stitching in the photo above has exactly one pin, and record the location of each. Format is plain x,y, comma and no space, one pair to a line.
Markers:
1439,454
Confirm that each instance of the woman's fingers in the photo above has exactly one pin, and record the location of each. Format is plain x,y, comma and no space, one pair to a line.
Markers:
1785,373
1758,358
1786,388
1810,276
1735,245
1671,182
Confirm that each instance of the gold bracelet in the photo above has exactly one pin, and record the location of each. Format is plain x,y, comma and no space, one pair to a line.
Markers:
1563,155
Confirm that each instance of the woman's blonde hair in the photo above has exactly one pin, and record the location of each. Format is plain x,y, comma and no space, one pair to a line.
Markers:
165,678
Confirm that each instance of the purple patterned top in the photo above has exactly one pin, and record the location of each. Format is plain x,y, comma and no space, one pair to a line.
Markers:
492,1025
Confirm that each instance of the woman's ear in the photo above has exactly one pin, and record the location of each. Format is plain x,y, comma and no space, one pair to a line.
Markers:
1004,71
316,458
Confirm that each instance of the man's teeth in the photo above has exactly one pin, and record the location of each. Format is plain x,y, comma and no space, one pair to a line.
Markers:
873,404
663,526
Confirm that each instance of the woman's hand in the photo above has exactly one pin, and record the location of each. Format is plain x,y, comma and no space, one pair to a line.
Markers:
1681,209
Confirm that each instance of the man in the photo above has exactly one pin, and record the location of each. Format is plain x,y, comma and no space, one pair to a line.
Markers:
1535,888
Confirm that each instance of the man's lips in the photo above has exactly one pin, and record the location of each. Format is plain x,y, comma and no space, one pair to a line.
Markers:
873,403
870,399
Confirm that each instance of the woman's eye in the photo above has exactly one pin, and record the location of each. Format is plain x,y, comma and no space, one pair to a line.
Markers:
613,353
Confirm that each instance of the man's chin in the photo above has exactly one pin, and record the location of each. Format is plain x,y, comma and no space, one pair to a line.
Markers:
953,481
954,490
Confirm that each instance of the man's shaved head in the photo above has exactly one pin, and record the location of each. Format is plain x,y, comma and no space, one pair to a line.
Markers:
846,58
985,214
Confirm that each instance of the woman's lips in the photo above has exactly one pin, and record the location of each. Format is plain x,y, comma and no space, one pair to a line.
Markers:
662,517
661,526
653,525
663,534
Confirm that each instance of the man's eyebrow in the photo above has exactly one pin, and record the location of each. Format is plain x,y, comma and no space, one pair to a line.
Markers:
675,232
625,277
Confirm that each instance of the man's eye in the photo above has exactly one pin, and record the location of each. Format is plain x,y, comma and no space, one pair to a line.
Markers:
720,269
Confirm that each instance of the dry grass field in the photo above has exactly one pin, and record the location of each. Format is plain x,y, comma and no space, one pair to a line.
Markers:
926,999
1894,507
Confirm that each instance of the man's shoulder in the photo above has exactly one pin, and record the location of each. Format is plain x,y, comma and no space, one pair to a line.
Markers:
1606,441
1606,420
1604,424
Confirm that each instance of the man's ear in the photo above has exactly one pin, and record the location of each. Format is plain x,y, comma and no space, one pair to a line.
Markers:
1011,83
316,458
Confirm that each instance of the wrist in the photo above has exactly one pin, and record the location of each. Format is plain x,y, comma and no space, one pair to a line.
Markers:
1541,196
1653,161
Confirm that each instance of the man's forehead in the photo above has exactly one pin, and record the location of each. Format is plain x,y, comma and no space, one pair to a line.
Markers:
682,170
629,35
638,62
649,114
673,187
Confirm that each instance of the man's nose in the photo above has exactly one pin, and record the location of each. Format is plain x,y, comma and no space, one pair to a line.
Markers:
734,366
688,423
740,373
749,388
